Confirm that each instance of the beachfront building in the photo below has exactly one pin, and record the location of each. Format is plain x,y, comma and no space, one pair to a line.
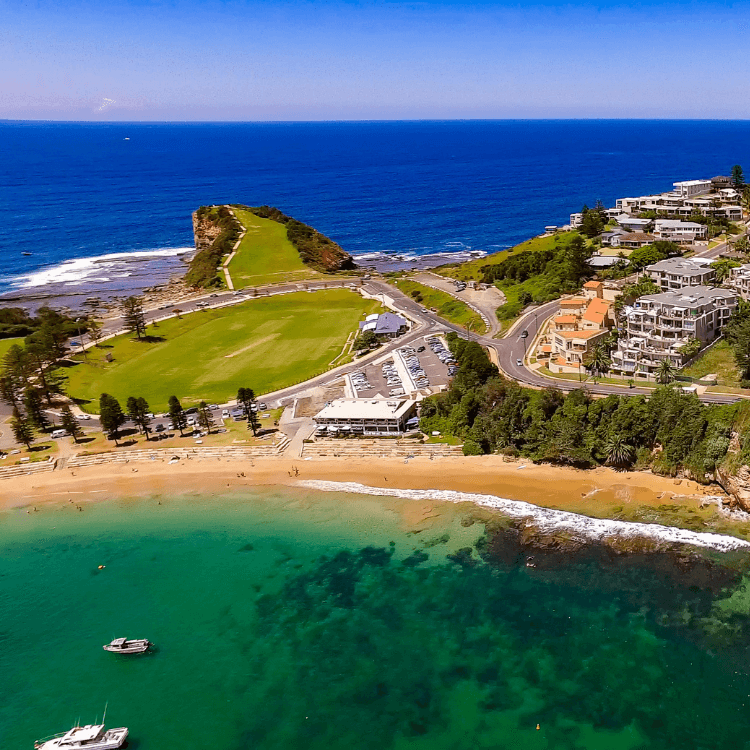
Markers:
580,324
387,325
658,326
675,273
681,232
372,416
689,188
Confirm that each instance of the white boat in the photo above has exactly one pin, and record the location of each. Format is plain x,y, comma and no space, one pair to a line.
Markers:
124,646
90,737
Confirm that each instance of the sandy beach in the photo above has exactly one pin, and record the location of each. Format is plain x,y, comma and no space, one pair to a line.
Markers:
599,492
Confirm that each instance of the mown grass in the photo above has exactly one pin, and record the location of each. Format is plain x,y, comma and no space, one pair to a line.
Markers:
719,360
444,304
265,255
6,344
264,344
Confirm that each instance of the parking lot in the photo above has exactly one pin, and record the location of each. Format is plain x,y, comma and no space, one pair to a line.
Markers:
407,370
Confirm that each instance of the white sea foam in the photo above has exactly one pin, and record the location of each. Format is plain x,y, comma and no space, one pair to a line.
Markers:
546,519
79,270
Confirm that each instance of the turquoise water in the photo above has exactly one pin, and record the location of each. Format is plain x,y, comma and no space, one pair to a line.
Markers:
289,619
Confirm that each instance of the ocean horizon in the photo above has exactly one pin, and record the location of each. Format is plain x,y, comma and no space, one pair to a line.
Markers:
90,204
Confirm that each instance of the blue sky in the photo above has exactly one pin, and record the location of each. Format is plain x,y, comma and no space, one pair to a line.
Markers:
436,59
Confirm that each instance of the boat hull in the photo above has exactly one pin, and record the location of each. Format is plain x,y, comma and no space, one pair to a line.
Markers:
112,739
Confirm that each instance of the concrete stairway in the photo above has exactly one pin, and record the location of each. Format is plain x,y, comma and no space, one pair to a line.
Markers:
377,449
19,470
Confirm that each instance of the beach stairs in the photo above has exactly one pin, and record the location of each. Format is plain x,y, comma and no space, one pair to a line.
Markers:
165,455
364,449
19,470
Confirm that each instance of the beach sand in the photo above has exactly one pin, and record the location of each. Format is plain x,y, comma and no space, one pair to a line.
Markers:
599,492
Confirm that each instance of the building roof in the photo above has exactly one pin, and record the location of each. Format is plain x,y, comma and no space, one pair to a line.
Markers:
593,285
686,183
603,261
637,237
677,224
692,297
356,408
573,302
627,219
596,310
682,266
578,334
390,323
565,319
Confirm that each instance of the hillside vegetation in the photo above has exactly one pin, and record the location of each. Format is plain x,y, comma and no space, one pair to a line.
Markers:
671,431
315,249
216,234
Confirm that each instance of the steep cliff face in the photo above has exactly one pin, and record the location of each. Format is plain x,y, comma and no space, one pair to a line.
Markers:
205,231
736,485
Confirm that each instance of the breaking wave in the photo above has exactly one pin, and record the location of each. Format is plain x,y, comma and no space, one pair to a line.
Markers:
595,529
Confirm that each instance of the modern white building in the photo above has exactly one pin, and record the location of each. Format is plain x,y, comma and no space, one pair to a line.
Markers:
372,416
739,280
676,273
674,230
689,188
659,325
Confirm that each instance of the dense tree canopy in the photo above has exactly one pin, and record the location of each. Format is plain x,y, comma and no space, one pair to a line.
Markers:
669,431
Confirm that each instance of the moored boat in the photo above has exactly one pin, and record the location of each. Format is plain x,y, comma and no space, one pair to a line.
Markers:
125,646
89,737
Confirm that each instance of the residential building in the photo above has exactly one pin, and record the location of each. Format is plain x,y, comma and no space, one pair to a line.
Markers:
674,230
633,225
689,188
676,273
576,329
739,280
386,325
607,238
365,416
632,239
659,325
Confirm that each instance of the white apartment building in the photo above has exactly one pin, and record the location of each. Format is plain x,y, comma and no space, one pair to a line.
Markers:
658,325
678,231
689,188
676,273
739,280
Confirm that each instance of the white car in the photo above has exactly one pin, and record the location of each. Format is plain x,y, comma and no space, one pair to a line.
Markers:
225,414
191,421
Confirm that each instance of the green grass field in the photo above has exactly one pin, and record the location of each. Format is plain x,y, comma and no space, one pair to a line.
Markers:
444,304
265,255
718,360
6,344
264,344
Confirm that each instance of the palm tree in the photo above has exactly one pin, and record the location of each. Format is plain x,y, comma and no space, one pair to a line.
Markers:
666,372
599,360
619,451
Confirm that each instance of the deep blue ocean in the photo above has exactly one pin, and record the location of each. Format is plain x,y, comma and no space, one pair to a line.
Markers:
83,190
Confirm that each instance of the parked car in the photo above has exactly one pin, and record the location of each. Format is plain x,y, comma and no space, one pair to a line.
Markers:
159,428
192,422
225,414
58,434
262,406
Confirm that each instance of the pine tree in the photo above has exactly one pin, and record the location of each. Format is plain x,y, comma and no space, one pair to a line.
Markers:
137,409
70,423
21,428
111,416
246,398
738,178
205,418
177,414
133,316
32,400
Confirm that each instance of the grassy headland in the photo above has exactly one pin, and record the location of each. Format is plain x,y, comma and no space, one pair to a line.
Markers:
266,255
266,344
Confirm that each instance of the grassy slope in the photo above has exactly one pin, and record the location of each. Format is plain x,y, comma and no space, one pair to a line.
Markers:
274,342
6,344
447,306
265,255
471,269
718,360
